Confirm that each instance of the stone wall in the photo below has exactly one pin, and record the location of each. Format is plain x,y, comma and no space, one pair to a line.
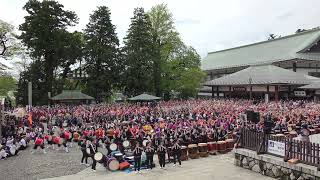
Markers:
274,167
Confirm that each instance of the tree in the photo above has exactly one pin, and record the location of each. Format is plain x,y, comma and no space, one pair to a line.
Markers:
182,73
103,64
9,44
139,55
165,37
45,35
174,62
36,74
7,83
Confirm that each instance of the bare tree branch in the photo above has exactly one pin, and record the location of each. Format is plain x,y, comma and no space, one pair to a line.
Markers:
4,47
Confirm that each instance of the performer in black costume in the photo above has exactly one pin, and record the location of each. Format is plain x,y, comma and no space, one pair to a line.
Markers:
162,155
92,148
149,153
137,157
176,149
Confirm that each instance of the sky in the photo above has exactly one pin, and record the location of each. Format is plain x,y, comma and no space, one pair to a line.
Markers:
207,25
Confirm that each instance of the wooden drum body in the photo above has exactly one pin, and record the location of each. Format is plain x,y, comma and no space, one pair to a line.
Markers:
230,144
212,148
184,153
203,149
193,151
222,146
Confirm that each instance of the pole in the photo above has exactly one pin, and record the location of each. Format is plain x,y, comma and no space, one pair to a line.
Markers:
30,94
1,117
250,81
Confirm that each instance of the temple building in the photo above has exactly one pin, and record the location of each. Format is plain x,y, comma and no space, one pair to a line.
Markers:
275,68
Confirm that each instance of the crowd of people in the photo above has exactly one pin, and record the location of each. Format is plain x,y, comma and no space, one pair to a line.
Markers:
165,126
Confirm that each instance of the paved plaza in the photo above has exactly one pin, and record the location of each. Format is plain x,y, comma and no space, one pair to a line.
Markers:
218,167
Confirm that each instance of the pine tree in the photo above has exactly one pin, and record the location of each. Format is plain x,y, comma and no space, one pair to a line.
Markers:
102,54
139,53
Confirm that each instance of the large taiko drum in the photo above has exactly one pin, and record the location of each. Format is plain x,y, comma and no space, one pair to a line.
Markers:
193,151
222,146
38,142
184,153
111,163
212,148
99,157
230,144
203,149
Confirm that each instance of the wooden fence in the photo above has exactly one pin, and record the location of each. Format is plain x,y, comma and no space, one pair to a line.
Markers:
305,152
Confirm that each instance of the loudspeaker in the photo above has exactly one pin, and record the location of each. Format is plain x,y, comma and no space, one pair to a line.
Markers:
253,116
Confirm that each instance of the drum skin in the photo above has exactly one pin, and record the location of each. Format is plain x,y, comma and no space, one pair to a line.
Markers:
99,157
111,163
113,147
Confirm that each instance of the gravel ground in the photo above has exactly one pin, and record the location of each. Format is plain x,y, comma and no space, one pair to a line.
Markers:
27,166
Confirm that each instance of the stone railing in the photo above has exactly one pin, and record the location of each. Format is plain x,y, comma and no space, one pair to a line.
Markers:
273,166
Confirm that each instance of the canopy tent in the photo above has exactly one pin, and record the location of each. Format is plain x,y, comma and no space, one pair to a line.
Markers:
144,97
262,75
71,95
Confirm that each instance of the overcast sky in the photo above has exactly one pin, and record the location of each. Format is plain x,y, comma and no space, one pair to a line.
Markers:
207,25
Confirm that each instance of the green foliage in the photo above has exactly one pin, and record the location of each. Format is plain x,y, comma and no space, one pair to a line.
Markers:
7,83
139,54
174,61
10,46
45,34
103,58
165,38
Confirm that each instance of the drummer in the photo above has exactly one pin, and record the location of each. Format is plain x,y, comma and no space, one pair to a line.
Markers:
93,150
176,150
162,155
149,152
137,158
85,155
